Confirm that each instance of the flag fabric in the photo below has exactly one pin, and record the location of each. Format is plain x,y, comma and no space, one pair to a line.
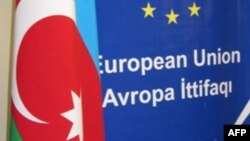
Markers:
173,70
87,25
55,84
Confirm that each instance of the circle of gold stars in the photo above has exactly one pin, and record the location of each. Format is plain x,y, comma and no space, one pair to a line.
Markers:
172,16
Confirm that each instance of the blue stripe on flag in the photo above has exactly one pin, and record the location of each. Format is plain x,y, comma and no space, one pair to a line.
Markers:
86,21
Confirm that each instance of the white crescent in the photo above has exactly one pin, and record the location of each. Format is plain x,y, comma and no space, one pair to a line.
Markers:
28,12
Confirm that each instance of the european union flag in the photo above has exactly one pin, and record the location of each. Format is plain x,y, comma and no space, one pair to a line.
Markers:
173,70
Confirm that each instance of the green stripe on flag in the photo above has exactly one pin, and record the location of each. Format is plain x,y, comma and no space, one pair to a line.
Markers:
14,134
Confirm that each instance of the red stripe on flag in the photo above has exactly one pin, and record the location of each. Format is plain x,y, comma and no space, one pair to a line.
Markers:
17,2
92,111
52,62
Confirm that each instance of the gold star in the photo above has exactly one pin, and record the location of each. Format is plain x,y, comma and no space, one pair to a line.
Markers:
172,17
194,9
148,11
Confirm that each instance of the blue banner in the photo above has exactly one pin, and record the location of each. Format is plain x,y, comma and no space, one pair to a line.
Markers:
173,70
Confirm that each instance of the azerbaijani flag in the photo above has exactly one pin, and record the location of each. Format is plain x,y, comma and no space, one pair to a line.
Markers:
56,93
